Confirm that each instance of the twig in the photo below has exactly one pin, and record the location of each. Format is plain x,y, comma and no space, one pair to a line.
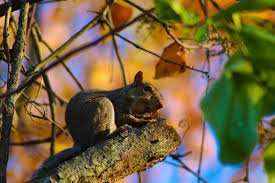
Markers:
37,142
6,32
246,178
166,28
59,98
180,155
203,7
34,74
216,5
9,103
91,24
118,54
51,50
182,165
31,20
203,123
139,176
164,59
49,92
43,114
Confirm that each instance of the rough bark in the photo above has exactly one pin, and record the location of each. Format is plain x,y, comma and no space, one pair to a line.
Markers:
7,108
134,149
16,4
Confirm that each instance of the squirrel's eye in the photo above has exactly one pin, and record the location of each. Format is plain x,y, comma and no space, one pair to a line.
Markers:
148,88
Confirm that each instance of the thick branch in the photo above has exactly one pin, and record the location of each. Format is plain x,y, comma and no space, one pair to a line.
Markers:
15,6
13,80
135,149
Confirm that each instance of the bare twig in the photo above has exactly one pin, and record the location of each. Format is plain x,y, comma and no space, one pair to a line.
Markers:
31,20
216,5
203,7
118,54
51,50
180,155
59,98
42,113
35,142
6,32
166,28
164,59
139,176
91,24
49,91
246,178
182,165
36,72
203,123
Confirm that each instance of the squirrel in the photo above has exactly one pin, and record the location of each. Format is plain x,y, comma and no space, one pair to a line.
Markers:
94,116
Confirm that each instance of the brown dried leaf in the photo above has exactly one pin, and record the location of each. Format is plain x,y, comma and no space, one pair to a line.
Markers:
173,52
120,13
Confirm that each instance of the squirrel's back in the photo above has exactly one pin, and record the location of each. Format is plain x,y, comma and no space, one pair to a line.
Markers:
89,118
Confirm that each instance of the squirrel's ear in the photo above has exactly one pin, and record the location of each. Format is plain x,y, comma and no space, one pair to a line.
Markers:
138,78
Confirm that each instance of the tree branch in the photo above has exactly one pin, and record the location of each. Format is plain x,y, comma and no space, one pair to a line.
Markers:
137,149
8,105
16,4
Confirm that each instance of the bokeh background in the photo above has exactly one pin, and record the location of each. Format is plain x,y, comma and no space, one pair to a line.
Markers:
98,68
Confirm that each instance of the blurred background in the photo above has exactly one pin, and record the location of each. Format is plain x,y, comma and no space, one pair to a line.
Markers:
98,68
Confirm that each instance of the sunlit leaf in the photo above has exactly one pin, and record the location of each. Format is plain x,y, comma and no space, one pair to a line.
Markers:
120,13
244,5
201,33
174,11
260,44
173,52
165,12
269,162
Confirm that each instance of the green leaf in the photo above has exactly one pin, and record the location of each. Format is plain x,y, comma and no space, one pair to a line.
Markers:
269,162
188,17
171,10
260,46
165,12
233,107
237,64
234,119
201,33
243,5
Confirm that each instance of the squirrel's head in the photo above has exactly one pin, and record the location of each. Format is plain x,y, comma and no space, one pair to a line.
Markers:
143,96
